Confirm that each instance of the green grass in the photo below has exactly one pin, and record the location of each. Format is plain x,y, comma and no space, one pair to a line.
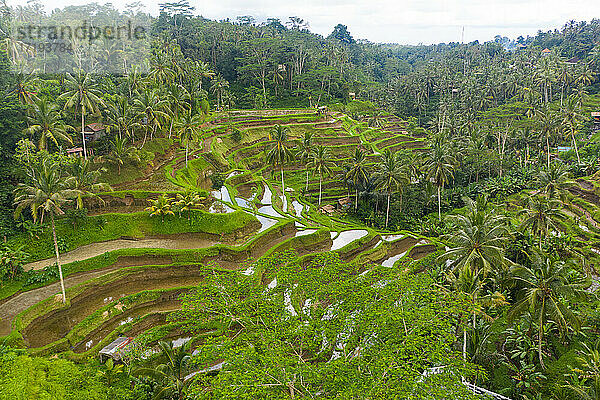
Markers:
113,226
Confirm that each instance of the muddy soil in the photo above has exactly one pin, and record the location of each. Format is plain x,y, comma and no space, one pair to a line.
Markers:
421,251
398,247
9,308
55,325
158,311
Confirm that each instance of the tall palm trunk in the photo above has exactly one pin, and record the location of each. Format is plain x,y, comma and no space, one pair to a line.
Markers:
548,150
540,337
575,145
465,343
83,132
282,183
60,274
356,200
320,186
186,152
439,190
387,211
306,187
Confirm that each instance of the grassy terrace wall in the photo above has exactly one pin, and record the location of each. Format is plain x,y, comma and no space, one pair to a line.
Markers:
137,225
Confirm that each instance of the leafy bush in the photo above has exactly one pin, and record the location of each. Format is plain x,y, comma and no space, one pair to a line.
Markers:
49,273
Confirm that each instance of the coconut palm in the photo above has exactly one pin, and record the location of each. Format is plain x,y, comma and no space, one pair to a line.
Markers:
24,88
187,202
555,181
478,239
321,164
119,117
188,128
149,107
473,284
177,101
587,369
544,289
45,192
305,152
85,180
170,374
357,173
439,168
160,67
218,87
541,216
82,94
160,207
45,121
391,176
120,152
570,121
280,154
547,127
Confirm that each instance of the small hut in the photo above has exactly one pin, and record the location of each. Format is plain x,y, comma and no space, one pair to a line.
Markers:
596,121
114,350
329,209
94,131
344,203
75,152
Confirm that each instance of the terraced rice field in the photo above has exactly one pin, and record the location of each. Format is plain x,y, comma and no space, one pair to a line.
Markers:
134,292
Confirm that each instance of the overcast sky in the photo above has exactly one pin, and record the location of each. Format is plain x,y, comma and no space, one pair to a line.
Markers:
398,21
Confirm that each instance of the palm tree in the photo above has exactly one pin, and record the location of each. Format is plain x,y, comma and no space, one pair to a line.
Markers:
588,371
120,153
45,121
391,176
171,373
82,94
219,86
306,152
187,202
85,180
161,207
376,119
571,118
357,173
280,154
541,216
478,240
177,100
189,129
544,288
321,163
160,67
120,117
547,123
439,169
471,283
555,180
149,106
46,192
24,88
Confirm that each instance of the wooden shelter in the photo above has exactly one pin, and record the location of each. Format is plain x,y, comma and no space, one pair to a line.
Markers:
94,131
75,152
114,350
596,121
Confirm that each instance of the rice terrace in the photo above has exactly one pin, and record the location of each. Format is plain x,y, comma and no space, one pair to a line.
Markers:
247,209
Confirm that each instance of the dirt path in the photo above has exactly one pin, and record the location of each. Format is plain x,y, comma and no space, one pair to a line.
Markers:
10,308
183,241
